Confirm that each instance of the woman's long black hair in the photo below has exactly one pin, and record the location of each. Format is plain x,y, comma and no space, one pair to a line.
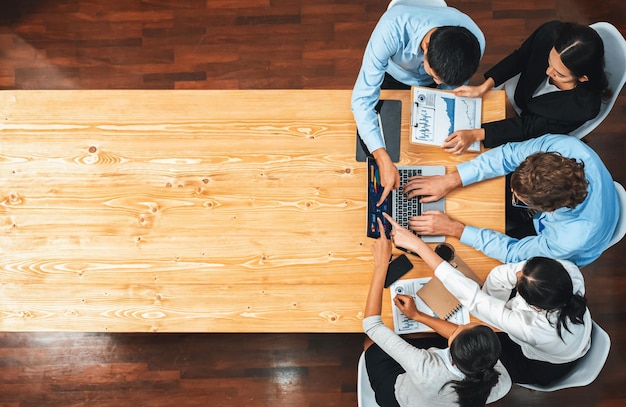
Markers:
582,51
547,285
475,351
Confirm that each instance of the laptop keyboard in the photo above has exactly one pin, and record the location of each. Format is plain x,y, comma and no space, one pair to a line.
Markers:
405,208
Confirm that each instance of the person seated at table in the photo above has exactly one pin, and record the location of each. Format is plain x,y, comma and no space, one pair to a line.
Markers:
563,182
422,371
546,326
411,45
561,85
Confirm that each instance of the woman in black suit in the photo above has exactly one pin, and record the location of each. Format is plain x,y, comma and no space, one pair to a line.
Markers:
561,86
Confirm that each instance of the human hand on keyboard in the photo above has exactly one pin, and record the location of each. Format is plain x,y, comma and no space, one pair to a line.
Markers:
436,223
431,188
401,237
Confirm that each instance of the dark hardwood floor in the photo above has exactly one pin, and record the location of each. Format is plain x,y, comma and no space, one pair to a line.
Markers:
251,44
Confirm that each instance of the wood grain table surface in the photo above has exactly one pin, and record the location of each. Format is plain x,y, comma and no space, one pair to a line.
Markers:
197,211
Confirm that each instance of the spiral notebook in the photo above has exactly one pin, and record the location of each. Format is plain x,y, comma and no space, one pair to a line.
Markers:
405,325
438,298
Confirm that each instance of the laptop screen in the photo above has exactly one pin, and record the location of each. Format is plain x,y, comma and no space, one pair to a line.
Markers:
396,204
374,191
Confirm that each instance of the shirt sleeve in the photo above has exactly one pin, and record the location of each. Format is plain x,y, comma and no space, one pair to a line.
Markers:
496,162
516,62
366,93
419,362
502,280
557,113
488,309
507,249
521,128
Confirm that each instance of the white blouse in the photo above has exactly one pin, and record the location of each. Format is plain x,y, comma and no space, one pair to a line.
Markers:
545,87
535,331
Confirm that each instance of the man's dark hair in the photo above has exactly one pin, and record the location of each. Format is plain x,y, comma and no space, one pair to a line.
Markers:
453,54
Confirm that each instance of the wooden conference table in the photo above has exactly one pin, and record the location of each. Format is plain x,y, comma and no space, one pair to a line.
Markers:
197,211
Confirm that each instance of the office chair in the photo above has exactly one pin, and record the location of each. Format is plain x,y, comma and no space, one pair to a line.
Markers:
509,88
620,230
439,3
615,68
587,368
364,391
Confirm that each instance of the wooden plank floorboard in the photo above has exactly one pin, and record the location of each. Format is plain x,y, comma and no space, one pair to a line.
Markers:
251,44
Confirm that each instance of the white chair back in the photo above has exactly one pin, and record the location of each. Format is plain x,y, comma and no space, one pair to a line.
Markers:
437,3
364,391
509,88
615,67
620,230
587,368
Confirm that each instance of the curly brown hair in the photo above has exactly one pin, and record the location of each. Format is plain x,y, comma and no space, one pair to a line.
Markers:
547,181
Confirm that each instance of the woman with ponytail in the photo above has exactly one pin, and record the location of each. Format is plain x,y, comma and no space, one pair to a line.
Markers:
423,371
538,304
549,293
473,352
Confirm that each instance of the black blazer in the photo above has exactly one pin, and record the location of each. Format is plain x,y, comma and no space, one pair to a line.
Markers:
555,112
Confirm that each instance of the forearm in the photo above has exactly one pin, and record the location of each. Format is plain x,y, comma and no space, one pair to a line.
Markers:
374,302
487,85
452,181
456,229
496,162
382,157
506,249
441,326
365,96
367,125
463,288
428,255
516,129
503,131
507,68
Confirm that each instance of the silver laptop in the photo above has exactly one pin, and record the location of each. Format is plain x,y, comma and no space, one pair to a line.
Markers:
396,204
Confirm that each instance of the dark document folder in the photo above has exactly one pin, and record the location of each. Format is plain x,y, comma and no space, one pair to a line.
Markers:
390,115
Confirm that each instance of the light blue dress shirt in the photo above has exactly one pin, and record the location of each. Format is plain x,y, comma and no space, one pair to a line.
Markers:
579,235
394,47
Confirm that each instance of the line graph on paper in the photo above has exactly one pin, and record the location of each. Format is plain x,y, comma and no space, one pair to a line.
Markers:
435,114
469,114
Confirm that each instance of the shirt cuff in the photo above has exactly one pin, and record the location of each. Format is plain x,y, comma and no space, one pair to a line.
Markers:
466,173
444,270
469,235
374,144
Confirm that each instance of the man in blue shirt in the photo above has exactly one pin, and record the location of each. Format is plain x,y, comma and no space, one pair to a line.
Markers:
417,46
575,200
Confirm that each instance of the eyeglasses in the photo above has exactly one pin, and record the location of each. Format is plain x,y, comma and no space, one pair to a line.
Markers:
517,203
